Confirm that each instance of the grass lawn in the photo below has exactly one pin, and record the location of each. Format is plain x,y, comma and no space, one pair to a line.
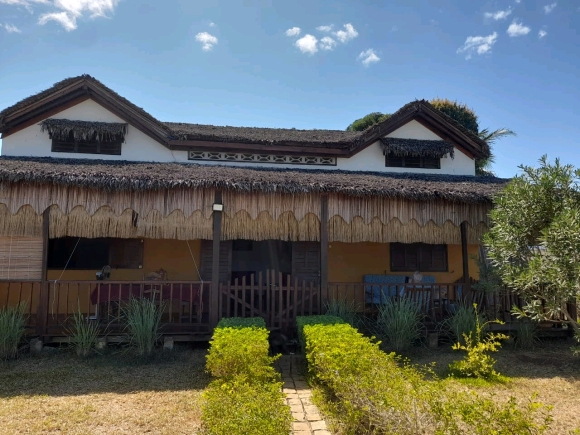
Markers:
550,370
116,393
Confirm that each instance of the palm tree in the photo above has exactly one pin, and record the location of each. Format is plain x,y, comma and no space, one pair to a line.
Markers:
483,166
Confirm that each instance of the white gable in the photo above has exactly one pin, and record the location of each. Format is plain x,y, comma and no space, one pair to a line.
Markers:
372,158
30,142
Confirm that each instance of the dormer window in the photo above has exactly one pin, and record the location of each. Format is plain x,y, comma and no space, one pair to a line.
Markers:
393,161
415,153
85,137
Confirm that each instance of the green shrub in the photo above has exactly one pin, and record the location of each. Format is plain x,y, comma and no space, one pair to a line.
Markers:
12,328
477,363
526,334
84,333
241,322
302,321
143,317
399,322
372,392
461,322
347,311
238,352
237,407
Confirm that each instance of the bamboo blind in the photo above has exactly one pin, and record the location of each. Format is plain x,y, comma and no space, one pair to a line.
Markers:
20,257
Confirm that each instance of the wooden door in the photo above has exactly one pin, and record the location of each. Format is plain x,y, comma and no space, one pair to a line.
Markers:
306,261
225,260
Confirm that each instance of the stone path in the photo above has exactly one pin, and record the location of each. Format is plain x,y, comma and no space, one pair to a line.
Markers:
307,419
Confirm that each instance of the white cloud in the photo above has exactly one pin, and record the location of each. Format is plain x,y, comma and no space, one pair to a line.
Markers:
294,31
542,34
478,44
368,57
324,28
307,44
549,8
211,24
327,43
67,12
499,15
67,21
347,34
517,29
11,29
207,40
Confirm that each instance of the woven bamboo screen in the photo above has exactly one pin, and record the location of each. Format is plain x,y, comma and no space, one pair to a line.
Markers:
20,258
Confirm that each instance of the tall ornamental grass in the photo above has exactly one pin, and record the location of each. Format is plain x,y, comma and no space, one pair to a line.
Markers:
12,327
84,333
399,322
462,323
143,317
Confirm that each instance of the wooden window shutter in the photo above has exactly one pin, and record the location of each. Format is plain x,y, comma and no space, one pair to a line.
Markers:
306,261
225,260
439,258
126,253
20,258
397,256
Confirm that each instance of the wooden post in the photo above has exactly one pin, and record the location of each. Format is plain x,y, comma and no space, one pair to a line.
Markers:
215,263
42,310
323,250
465,256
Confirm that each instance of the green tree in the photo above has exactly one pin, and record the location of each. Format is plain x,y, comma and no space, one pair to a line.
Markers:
534,240
367,121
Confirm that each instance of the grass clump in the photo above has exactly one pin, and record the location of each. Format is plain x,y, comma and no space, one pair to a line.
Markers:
347,311
84,334
143,317
399,322
461,323
12,328
527,334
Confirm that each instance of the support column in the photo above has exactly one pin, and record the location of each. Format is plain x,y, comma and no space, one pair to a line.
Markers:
215,263
464,254
42,310
324,249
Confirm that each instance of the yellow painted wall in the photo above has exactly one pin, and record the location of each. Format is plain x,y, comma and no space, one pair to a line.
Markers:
348,262
171,255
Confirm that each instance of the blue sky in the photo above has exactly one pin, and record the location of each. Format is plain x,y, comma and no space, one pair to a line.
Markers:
313,64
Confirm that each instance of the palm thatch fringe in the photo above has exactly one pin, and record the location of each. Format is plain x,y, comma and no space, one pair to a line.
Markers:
60,129
24,222
105,223
416,147
394,231
287,227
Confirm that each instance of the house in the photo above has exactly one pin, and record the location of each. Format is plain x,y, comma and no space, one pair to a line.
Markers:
220,221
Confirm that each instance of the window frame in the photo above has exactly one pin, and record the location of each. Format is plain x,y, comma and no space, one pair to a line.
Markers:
420,250
116,146
435,162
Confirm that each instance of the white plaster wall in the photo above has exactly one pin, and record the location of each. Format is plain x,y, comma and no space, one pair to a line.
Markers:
372,159
138,146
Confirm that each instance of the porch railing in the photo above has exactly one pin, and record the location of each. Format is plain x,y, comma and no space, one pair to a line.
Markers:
276,297
52,304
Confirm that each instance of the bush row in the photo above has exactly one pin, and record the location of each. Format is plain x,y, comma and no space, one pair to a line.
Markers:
246,397
372,392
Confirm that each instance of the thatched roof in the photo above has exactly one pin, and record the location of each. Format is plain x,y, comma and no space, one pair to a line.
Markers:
416,147
61,129
203,135
268,136
119,175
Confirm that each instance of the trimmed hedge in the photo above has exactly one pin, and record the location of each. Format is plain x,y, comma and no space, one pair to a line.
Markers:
371,392
302,321
247,397
241,322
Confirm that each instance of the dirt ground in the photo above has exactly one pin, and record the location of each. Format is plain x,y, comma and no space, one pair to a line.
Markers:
117,393
550,370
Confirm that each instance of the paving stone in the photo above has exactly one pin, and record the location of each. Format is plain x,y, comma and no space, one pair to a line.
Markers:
299,416
313,417
318,425
292,395
311,409
300,426
296,408
322,432
289,390
294,402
